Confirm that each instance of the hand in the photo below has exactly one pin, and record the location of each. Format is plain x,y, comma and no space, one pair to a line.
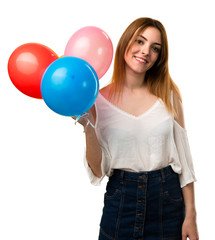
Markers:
91,117
189,229
82,121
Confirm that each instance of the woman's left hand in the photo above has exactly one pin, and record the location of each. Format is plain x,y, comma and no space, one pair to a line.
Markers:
189,229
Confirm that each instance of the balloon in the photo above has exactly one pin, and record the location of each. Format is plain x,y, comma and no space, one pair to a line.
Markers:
69,86
26,66
94,46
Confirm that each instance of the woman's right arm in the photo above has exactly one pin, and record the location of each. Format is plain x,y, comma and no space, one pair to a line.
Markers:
93,149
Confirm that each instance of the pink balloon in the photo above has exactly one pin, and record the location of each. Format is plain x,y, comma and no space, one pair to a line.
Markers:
93,45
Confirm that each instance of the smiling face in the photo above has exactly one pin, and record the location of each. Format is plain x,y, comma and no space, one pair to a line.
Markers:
144,52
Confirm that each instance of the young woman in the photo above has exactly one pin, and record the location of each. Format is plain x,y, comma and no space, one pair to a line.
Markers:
140,143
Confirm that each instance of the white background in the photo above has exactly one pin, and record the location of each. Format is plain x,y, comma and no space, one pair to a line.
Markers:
44,189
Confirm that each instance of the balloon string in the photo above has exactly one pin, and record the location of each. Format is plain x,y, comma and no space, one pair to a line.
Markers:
84,115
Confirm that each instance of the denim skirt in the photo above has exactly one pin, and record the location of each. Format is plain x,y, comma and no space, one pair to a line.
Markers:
143,205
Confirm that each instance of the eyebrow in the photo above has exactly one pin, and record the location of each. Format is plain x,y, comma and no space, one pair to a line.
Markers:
147,40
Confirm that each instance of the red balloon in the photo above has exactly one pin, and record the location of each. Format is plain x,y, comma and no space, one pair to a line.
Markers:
26,66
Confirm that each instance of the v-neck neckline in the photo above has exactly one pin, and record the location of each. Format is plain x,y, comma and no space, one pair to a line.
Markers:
129,114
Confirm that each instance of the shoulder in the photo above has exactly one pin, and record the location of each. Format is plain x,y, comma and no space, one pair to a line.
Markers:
178,107
105,91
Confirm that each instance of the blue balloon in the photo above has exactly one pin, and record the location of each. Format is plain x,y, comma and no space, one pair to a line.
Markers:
69,86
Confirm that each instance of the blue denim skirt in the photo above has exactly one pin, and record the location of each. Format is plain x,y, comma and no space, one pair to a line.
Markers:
143,205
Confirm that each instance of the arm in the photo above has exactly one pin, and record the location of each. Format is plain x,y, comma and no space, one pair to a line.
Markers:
189,228
93,149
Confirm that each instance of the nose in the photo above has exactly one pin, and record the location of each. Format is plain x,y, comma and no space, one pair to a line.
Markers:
145,50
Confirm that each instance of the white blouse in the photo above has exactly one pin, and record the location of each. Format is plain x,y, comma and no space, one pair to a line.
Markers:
148,142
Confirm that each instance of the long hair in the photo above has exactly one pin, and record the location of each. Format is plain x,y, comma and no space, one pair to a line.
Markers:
157,78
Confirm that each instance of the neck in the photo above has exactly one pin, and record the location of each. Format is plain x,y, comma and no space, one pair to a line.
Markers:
134,81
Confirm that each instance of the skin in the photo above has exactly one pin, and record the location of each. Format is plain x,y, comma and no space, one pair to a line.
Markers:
189,227
136,99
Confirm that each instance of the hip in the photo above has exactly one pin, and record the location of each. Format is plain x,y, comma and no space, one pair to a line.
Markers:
143,204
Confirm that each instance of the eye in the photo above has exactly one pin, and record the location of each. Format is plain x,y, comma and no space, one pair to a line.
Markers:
139,41
155,49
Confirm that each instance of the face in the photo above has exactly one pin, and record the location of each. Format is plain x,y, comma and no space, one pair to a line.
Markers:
144,52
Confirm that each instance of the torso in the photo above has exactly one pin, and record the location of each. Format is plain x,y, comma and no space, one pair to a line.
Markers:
138,104
134,103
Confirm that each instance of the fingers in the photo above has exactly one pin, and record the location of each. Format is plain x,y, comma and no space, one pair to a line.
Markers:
184,237
80,120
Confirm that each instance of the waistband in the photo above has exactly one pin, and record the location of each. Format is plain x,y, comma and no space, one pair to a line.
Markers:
160,173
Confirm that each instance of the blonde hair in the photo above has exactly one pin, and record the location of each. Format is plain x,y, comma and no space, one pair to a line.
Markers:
157,78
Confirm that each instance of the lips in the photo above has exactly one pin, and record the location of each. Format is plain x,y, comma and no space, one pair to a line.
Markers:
142,60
